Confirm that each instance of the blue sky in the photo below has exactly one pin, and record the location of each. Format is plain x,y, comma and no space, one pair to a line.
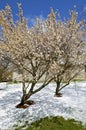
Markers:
40,8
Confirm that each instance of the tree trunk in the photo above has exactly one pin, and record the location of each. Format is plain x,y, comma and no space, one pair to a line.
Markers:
57,87
57,90
25,97
24,101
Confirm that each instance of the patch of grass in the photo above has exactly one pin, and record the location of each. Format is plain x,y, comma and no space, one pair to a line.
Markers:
78,80
53,123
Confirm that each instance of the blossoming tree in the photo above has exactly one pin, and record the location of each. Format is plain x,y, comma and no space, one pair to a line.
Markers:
66,37
27,50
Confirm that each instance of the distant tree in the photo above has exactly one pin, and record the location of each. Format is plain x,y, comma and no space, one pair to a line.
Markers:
5,66
5,71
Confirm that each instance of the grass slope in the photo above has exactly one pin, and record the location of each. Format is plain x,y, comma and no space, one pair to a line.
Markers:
53,123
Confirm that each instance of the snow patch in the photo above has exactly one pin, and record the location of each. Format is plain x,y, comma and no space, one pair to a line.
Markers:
71,105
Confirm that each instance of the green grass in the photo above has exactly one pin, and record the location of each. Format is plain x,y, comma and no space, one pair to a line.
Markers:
78,80
53,123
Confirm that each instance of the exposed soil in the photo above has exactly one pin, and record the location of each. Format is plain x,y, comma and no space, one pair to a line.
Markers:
58,95
1,89
25,105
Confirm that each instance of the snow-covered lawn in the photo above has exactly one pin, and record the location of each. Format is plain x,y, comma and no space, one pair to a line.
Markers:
71,105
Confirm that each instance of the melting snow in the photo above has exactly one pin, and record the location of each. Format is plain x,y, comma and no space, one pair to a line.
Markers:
71,105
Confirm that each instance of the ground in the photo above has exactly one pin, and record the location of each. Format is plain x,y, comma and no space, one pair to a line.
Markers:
71,105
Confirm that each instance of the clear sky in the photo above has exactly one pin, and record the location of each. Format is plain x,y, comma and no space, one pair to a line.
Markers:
40,8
